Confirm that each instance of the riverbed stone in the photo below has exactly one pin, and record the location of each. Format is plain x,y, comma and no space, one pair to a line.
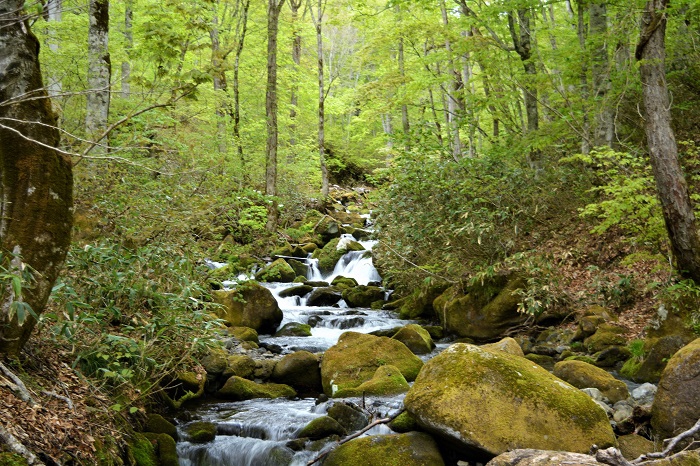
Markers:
386,381
321,427
532,457
403,423
583,375
201,432
348,415
244,334
660,352
239,389
241,365
300,370
326,296
328,256
420,302
492,402
344,282
277,271
607,335
294,329
676,406
483,311
249,305
413,448
508,345
632,446
301,290
363,296
416,338
356,357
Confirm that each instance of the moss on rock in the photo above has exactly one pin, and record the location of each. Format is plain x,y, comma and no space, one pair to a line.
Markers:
321,427
294,329
607,335
241,365
356,357
507,345
249,305
244,334
583,375
363,296
12,459
142,450
200,432
278,271
329,255
416,338
413,448
165,447
239,389
300,370
402,423
386,381
157,424
493,402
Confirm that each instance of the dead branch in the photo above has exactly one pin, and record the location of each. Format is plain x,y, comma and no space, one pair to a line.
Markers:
385,420
17,386
611,456
672,442
17,447
60,397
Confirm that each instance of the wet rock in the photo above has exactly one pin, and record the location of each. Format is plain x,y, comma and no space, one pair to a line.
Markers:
420,302
507,345
659,353
545,361
344,282
413,448
249,305
329,255
301,290
676,406
277,271
386,381
491,401
240,365
294,329
633,446
300,268
484,311
157,424
622,410
244,334
356,357
404,422
324,296
613,356
300,370
321,427
583,375
313,321
239,389
530,457
165,446
361,234
415,338
200,432
317,283
348,415
362,296
644,394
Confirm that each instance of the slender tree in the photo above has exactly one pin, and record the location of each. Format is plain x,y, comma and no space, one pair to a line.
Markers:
663,151
129,39
294,6
318,23
54,14
241,29
99,69
36,199
598,20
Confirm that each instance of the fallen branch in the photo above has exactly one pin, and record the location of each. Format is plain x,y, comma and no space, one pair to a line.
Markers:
671,444
385,420
17,447
18,386
60,397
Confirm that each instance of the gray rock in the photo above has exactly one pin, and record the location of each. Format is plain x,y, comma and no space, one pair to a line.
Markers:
644,394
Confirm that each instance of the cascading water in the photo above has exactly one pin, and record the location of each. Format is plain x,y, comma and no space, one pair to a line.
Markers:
256,432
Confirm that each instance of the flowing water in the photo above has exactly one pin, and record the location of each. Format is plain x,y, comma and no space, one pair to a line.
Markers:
256,432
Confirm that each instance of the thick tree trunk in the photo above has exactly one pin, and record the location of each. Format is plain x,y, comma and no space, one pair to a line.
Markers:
99,69
670,182
36,200
318,21
220,85
294,98
243,28
129,39
273,14
54,10
604,127
451,94
586,126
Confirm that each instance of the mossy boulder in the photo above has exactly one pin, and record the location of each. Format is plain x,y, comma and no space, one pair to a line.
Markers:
402,423
328,229
329,255
300,268
200,432
321,427
249,305
300,370
676,406
420,302
492,402
294,329
507,345
278,271
413,448
348,415
386,381
241,365
141,450
301,290
215,362
607,335
532,457
12,459
363,296
157,424
165,449
416,338
239,389
483,311
632,446
659,353
360,234
583,375
244,334
326,296
356,357
344,282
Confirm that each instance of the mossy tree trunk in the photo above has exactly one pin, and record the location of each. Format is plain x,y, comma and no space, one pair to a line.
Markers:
36,199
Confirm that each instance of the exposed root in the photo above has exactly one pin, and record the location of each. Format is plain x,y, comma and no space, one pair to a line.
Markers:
17,447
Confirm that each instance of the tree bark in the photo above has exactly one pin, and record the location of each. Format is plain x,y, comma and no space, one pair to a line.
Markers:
36,197
451,95
273,13
581,31
598,21
220,85
129,39
54,10
663,151
99,69
294,5
318,22
243,28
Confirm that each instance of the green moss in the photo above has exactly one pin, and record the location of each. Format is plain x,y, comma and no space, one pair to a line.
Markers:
166,449
201,432
244,334
277,271
143,451
404,422
157,424
386,381
321,427
413,448
294,329
238,388
11,459
329,255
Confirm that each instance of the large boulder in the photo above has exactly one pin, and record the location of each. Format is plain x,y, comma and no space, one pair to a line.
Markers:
329,255
420,302
606,336
321,427
416,338
277,271
484,311
660,351
491,402
294,329
363,296
301,290
349,415
508,345
239,389
413,448
326,296
676,406
300,370
356,357
249,305
583,375
386,381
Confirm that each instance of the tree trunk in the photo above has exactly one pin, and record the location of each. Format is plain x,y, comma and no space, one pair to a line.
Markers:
54,9
129,39
318,22
451,94
670,182
294,98
581,31
36,198
273,14
219,81
99,70
604,127
243,28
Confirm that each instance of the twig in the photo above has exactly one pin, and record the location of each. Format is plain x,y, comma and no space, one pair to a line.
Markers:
416,265
16,446
385,420
68,401
671,444
18,387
